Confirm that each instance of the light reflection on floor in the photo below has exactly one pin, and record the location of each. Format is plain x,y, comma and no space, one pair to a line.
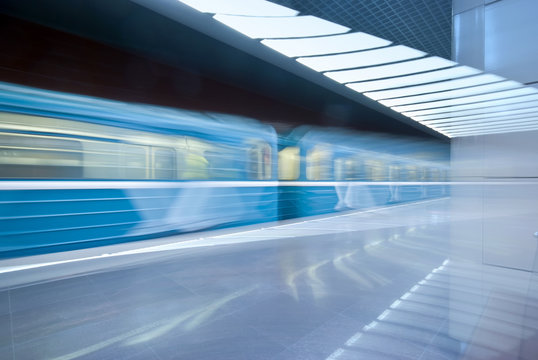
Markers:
373,285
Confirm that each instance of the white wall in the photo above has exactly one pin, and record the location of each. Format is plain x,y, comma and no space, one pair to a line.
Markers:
500,198
497,36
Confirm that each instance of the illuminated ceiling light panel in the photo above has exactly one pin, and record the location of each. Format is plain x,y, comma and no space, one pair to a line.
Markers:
487,123
466,100
531,125
240,7
439,86
432,76
506,115
501,119
450,99
482,89
475,106
486,110
512,128
386,71
361,59
281,27
437,130
326,44
483,126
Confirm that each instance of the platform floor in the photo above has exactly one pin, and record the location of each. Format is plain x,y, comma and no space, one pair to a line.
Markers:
378,284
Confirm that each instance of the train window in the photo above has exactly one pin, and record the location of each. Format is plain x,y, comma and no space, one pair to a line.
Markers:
101,160
412,173
223,163
259,161
422,174
318,163
374,170
435,174
195,163
346,169
445,175
289,163
394,173
134,160
39,157
196,167
205,160
164,163
339,169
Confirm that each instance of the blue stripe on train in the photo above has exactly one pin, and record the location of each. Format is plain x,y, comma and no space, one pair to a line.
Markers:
42,218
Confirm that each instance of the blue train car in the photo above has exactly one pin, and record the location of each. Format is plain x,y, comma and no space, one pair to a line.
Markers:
327,170
78,171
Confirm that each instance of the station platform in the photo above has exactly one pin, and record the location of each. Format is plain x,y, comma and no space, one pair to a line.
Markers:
376,284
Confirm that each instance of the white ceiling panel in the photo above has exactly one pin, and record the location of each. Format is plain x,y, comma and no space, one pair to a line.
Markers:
501,114
409,80
442,95
435,87
453,94
326,44
475,106
281,27
498,130
485,110
487,122
240,7
466,100
361,59
386,71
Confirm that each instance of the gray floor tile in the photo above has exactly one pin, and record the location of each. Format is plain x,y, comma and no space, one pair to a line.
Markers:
5,331
25,298
6,352
4,302
324,340
303,298
283,319
62,315
225,338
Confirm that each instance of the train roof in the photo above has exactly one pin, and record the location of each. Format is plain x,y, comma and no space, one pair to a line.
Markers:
40,102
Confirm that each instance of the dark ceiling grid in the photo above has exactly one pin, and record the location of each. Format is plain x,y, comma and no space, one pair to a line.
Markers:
421,24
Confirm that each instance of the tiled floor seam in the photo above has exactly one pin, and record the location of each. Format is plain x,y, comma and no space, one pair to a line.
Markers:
11,325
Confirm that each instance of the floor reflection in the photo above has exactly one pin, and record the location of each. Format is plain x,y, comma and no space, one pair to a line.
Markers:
381,284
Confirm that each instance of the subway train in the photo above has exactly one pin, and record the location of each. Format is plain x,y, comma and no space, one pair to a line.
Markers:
79,171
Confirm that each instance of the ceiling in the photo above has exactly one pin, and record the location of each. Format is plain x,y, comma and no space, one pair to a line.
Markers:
421,24
184,38
450,98
369,82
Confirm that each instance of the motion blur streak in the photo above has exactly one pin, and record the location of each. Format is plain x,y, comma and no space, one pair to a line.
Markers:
150,331
93,171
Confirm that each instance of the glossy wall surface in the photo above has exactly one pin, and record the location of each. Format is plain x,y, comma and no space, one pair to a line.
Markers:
497,36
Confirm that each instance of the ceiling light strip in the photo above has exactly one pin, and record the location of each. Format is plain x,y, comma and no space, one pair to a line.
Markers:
437,130
486,123
281,27
326,44
452,94
485,110
386,71
482,116
435,87
533,124
361,59
452,100
492,131
474,106
240,7
467,100
409,80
